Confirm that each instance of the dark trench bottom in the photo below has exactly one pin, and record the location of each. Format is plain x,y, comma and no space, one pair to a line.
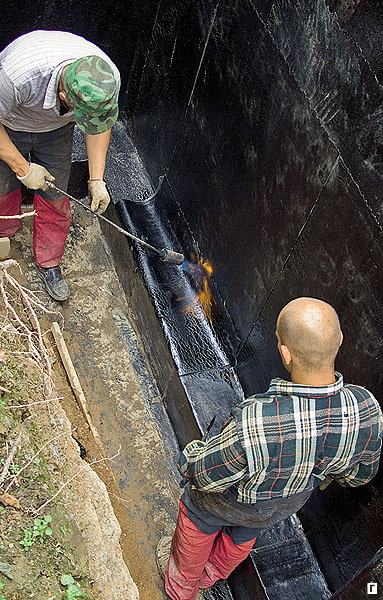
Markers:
291,559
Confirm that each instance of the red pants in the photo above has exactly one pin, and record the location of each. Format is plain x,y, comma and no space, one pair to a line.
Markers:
50,225
198,560
52,150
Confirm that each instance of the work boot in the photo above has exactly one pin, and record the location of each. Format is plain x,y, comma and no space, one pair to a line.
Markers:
162,558
55,283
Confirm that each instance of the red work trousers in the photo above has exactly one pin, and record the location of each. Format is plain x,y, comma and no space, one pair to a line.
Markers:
198,560
52,150
50,225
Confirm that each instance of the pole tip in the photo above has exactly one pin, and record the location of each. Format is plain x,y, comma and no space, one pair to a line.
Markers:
169,256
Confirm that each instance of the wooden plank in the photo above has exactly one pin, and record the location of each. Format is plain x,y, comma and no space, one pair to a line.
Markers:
73,378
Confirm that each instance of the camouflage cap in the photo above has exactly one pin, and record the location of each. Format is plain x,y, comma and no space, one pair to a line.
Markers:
91,87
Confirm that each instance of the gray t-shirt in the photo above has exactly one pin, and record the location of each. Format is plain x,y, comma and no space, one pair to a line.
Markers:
30,68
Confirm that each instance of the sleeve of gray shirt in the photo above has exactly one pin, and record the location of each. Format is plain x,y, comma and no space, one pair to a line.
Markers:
7,95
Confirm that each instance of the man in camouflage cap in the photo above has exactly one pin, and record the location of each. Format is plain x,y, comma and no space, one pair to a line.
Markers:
90,87
50,80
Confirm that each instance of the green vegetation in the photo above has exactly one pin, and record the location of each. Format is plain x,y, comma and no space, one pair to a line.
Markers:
40,528
73,591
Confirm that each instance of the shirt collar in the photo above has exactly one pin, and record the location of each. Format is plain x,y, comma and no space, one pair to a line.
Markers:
51,99
281,386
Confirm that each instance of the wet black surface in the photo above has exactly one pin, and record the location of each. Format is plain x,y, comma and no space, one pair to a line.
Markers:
273,152
368,580
247,586
272,149
298,574
265,119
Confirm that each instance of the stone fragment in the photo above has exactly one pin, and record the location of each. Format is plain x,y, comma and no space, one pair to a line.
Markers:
10,500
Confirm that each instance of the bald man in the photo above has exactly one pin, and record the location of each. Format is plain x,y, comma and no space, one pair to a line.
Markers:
275,449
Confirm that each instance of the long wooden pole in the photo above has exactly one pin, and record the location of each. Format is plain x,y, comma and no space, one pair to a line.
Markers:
73,379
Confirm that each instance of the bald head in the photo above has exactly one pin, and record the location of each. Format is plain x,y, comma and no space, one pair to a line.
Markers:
311,331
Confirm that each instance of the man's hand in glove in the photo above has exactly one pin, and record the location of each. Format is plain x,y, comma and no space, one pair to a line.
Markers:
98,195
36,178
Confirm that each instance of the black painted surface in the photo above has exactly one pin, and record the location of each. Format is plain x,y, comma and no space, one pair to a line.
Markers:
367,17
272,149
246,586
294,572
360,509
368,581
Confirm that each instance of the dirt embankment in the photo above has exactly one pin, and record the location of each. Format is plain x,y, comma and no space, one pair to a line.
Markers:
59,536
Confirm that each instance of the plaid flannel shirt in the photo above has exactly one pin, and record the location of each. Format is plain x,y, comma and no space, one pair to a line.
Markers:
289,440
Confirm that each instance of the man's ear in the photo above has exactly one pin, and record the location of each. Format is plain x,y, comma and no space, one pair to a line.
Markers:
62,96
286,354
341,339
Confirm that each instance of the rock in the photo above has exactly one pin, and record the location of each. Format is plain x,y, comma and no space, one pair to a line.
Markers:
4,569
88,505
10,501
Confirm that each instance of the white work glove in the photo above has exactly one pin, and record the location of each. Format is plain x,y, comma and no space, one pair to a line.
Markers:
98,194
36,178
